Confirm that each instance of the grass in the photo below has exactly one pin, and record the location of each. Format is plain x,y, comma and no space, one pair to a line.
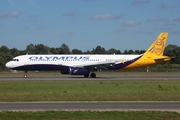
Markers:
89,115
148,90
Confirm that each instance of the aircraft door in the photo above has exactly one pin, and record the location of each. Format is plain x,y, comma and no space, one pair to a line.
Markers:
25,60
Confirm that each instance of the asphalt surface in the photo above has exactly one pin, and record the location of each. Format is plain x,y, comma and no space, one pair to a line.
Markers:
99,77
99,106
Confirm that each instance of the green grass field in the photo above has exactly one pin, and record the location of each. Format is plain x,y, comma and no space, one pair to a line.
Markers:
89,115
148,90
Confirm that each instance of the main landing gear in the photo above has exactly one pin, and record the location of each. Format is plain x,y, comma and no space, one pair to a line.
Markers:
92,75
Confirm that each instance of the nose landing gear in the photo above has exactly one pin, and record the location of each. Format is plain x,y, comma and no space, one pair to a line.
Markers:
25,75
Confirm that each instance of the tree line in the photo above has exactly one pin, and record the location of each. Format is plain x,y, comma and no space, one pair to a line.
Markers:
6,54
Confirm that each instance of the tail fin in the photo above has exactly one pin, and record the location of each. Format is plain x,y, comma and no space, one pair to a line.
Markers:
157,48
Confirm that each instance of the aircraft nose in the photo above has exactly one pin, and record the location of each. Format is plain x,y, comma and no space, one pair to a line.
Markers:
8,65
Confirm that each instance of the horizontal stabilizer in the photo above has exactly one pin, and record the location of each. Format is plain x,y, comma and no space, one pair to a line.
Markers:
164,58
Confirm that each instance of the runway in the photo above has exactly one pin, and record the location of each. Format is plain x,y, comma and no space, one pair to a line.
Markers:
93,106
99,77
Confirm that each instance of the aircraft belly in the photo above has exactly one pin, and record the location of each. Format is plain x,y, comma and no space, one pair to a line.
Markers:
39,67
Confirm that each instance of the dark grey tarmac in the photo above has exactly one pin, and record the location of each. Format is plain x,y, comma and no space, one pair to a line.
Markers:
99,77
93,106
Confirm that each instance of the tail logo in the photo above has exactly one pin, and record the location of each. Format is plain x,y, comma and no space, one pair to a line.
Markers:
158,46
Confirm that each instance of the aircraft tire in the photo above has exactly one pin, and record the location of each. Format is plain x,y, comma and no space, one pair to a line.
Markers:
25,76
93,75
86,75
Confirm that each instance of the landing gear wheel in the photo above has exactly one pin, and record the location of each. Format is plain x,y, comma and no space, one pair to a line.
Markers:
25,76
93,75
86,76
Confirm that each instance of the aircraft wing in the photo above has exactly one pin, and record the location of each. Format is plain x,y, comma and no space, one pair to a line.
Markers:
97,65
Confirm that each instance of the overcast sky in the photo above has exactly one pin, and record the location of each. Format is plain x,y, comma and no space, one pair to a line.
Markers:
85,24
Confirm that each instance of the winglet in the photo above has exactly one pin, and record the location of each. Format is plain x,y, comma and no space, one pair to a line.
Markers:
158,46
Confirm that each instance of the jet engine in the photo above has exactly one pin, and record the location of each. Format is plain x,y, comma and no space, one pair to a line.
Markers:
78,71
75,71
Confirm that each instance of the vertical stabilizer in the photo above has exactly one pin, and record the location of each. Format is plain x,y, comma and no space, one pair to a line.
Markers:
158,46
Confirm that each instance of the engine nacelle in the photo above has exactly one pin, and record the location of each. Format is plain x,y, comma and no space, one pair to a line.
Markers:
65,71
78,71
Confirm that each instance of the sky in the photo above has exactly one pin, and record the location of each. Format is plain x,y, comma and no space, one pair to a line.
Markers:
85,24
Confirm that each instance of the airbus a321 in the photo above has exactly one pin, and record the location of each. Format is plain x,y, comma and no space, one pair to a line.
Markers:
87,64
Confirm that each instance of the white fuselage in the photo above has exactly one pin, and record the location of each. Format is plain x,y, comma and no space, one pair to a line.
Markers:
44,61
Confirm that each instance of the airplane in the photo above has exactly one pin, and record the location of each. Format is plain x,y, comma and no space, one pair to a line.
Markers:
87,64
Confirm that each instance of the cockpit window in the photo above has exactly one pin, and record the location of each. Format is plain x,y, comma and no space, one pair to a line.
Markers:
15,60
